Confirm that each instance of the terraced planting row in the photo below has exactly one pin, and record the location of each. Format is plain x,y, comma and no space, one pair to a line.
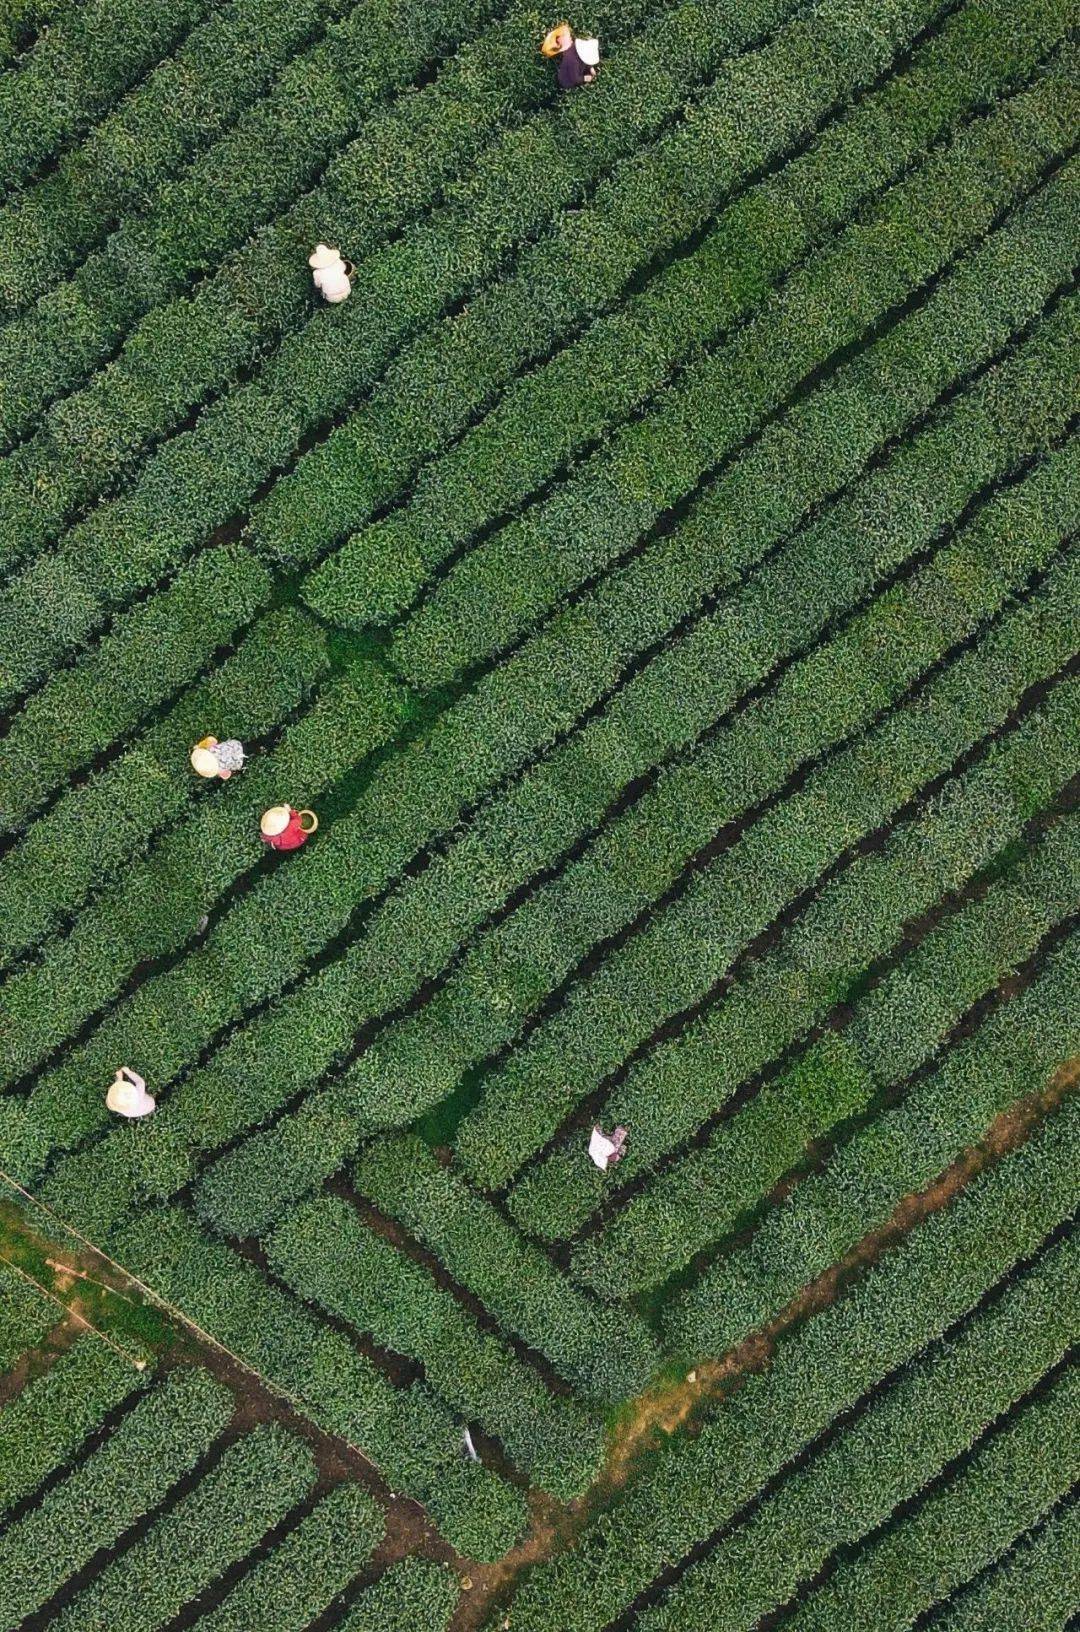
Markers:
619,1171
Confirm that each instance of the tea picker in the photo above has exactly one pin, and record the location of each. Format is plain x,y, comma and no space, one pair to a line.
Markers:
284,828
604,1152
332,273
127,1095
578,59
210,758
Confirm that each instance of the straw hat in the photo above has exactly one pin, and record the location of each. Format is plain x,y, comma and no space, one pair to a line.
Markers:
204,760
555,42
275,820
323,257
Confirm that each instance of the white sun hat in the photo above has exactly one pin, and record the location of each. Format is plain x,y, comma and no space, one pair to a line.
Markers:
601,1149
204,760
323,257
275,820
127,1095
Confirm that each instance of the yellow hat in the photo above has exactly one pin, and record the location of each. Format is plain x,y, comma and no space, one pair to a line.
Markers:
275,820
554,45
204,760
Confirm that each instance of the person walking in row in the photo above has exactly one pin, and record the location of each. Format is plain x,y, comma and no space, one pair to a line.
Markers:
578,59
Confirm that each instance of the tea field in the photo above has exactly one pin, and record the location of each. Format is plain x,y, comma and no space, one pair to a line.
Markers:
660,578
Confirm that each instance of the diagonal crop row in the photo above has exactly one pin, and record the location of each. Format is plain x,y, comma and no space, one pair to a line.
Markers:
77,68
191,868
933,1413
1011,1055
302,1576
326,1254
320,365
250,1490
292,1048
407,1434
894,1031
960,1527
107,822
150,652
931,1280
407,151
202,478
414,1593
574,661
979,439
529,1295
26,1315
51,1417
678,1086
224,64
454,370
1031,1589
418,1061
159,1441
829,303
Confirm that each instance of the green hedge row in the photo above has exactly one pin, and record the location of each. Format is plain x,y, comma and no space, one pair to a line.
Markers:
289,1048
605,1358
320,366
526,1099
77,68
1012,1054
200,479
816,963
830,302
916,1292
190,868
540,694
276,150
934,1412
166,1434
20,21
232,1507
327,1255
542,690
772,101
818,705
223,65
1031,1589
413,1440
149,653
412,1595
108,821
47,1421
306,1571
895,1030
26,1315
959,1528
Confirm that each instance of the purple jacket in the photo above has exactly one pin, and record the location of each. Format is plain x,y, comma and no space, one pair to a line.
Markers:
572,70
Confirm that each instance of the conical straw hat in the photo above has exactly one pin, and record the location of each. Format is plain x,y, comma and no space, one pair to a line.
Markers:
275,820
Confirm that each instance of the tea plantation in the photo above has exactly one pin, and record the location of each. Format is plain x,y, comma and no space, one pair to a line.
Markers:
656,587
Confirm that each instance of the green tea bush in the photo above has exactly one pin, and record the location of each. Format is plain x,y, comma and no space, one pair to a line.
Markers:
415,1593
1011,1055
329,1257
931,1280
249,1491
830,302
107,821
413,1440
455,369
960,1527
148,654
43,1426
606,1354
222,66
305,1572
26,1315
77,67
1031,1589
895,1030
192,865
935,1411
155,1445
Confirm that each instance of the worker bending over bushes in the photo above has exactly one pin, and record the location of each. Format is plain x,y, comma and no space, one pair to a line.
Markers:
578,59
